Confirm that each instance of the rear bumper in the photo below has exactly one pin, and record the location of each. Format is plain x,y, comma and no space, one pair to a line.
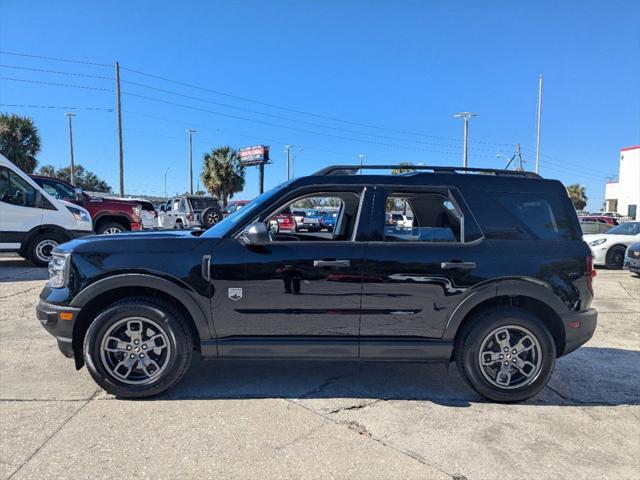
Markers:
49,317
579,328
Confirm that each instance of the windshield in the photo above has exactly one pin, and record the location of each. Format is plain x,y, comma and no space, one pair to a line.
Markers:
241,215
629,228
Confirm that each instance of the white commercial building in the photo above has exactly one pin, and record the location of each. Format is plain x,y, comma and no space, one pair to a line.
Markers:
623,196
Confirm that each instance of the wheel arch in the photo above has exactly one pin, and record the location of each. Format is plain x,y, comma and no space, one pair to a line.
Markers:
531,295
112,217
41,229
103,293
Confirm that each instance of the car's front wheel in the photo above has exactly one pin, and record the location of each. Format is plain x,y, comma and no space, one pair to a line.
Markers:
40,248
615,257
506,354
138,348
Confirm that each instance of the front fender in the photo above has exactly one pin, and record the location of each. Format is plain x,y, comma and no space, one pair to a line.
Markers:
185,296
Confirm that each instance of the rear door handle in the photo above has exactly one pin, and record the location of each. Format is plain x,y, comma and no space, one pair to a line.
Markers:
458,265
332,263
206,267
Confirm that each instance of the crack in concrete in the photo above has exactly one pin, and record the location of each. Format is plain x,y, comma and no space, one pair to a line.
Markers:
355,407
407,453
20,293
55,432
324,385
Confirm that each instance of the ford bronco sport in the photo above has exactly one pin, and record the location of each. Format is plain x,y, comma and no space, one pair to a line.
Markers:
492,274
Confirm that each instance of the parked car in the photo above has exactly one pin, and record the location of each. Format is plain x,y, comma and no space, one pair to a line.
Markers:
611,214
590,227
503,297
599,218
32,222
328,221
148,213
190,211
109,215
283,222
310,222
233,206
632,258
609,248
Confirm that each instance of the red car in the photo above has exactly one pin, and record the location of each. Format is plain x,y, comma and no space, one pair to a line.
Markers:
109,215
599,219
283,222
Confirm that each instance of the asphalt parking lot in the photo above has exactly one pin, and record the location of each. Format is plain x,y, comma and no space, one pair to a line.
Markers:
318,420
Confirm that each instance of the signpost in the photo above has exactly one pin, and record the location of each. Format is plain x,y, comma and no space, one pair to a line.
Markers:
257,155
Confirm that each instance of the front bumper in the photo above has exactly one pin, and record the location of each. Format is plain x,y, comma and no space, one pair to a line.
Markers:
632,264
579,328
600,254
58,321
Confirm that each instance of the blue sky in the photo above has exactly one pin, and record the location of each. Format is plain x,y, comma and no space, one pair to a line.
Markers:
404,67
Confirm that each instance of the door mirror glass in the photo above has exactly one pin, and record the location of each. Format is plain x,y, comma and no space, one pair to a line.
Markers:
255,234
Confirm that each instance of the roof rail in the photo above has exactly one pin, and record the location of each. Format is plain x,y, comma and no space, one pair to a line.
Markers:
353,169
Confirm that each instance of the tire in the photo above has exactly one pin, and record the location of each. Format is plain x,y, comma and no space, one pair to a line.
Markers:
106,359
40,246
517,383
615,257
210,216
110,228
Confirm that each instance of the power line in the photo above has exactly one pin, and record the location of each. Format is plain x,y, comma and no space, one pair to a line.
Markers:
56,107
57,59
57,72
56,84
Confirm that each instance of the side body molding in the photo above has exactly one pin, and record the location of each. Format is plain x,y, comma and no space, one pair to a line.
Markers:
498,288
183,295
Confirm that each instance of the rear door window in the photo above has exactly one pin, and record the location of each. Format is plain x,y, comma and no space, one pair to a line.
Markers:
543,217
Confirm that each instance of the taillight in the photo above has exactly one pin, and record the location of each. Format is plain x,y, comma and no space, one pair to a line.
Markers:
591,272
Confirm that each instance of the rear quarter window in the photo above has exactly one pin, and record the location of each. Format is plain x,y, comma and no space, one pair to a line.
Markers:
542,217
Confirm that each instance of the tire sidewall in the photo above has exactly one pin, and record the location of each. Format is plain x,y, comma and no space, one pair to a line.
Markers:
104,226
469,355
609,258
178,342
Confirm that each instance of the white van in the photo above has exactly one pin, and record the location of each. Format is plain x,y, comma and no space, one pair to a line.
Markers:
32,222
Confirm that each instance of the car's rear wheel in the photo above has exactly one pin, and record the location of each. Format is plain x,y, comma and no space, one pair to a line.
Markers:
210,216
110,228
41,247
506,354
138,348
615,257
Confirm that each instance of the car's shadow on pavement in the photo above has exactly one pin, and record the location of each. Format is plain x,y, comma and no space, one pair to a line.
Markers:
15,269
587,377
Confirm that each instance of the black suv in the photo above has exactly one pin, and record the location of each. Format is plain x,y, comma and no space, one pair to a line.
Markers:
491,273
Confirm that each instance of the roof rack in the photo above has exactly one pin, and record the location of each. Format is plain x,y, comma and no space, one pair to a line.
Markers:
353,169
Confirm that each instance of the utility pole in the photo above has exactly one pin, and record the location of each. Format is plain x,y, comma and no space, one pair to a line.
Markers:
361,157
539,121
465,116
520,159
120,152
165,183
70,116
190,132
287,149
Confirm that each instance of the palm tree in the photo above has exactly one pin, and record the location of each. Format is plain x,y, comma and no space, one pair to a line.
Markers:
19,141
222,173
578,196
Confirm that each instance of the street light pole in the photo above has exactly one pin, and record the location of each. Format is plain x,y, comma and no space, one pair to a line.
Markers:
287,149
539,122
70,116
465,116
190,132
165,183
361,157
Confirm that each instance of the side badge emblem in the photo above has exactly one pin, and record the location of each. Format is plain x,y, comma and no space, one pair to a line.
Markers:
235,294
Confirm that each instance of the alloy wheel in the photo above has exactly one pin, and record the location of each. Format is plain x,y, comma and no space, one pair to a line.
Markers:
135,350
510,357
112,230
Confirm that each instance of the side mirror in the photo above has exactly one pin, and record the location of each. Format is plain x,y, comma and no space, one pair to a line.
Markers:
255,234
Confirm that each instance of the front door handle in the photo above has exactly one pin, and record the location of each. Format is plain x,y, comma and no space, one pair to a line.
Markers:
458,265
332,263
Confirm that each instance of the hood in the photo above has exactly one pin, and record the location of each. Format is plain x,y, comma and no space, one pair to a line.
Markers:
164,241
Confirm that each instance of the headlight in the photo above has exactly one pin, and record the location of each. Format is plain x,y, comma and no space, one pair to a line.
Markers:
595,243
79,215
59,270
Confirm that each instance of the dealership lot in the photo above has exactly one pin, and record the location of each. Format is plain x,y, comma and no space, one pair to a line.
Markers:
322,419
